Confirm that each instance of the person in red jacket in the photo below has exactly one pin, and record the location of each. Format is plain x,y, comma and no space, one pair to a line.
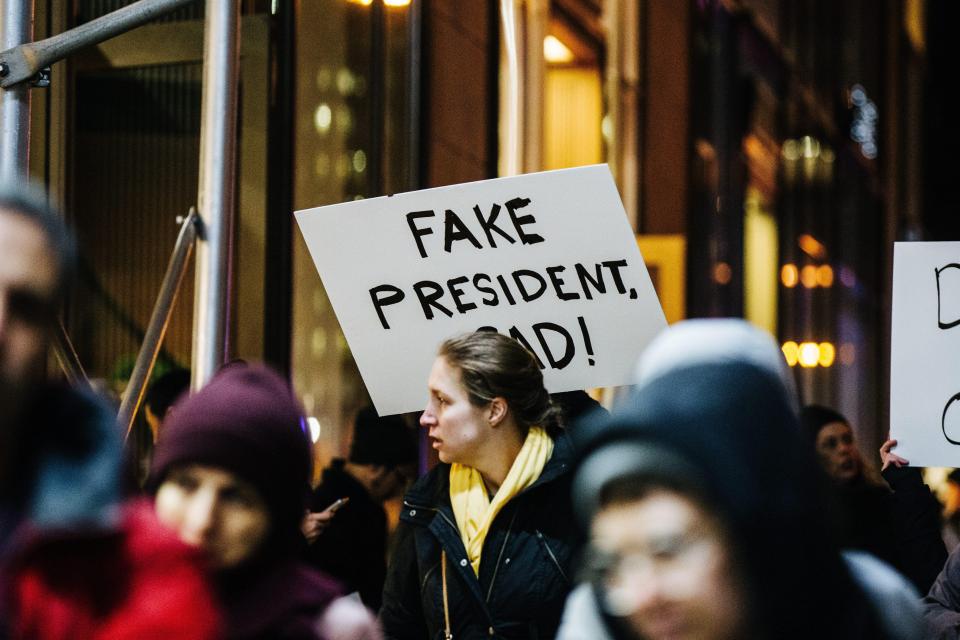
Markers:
75,561
136,581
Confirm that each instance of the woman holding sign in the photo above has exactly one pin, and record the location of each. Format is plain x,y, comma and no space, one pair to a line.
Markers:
485,540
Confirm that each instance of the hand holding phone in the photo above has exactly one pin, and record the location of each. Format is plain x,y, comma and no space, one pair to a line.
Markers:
314,522
337,505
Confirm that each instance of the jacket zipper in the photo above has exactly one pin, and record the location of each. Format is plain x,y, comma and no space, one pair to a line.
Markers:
503,548
556,562
447,520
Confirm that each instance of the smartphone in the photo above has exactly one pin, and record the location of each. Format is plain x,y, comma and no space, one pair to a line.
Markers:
333,508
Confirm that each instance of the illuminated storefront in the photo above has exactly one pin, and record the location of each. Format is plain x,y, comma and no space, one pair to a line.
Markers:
762,149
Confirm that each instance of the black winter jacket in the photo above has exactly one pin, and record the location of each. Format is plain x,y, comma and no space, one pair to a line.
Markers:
353,546
525,568
915,513
901,527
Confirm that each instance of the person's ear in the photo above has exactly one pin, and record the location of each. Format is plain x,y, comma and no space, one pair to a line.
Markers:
496,411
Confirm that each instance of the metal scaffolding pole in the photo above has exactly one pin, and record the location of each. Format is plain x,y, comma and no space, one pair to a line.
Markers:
23,61
218,132
20,63
16,28
159,321
513,120
67,357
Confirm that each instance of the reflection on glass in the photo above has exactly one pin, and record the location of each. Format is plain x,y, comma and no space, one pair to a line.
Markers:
337,81
332,58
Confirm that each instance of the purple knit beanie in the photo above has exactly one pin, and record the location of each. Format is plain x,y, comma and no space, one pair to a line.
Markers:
246,421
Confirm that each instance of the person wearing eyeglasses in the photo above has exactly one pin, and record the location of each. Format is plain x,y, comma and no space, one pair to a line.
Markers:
706,511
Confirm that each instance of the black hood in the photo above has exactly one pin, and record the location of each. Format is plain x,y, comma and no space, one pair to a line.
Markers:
734,426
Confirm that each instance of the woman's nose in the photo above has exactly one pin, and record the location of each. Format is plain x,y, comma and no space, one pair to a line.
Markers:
200,518
427,419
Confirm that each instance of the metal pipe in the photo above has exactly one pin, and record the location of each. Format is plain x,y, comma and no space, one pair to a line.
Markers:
622,80
216,197
67,357
159,321
536,16
512,151
20,63
16,28
614,81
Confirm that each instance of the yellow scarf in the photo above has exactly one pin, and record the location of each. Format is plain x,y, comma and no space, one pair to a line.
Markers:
474,510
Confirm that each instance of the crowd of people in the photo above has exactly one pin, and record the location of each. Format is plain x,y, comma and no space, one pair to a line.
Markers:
708,504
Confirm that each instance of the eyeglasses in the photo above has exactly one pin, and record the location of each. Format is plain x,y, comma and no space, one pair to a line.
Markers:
667,559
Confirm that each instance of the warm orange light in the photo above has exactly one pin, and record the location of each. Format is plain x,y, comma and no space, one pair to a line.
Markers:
789,275
808,276
827,354
812,247
365,3
825,275
809,354
555,51
722,273
396,3
790,352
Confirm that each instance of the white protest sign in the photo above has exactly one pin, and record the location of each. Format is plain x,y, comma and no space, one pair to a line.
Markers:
548,258
925,353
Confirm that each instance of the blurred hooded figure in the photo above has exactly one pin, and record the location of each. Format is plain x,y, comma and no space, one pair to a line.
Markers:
230,476
706,509
76,559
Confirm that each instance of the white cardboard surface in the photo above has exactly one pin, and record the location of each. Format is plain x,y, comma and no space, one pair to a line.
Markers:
358,246
925,353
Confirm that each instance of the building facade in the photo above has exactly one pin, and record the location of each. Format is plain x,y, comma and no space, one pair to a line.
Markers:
768,153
